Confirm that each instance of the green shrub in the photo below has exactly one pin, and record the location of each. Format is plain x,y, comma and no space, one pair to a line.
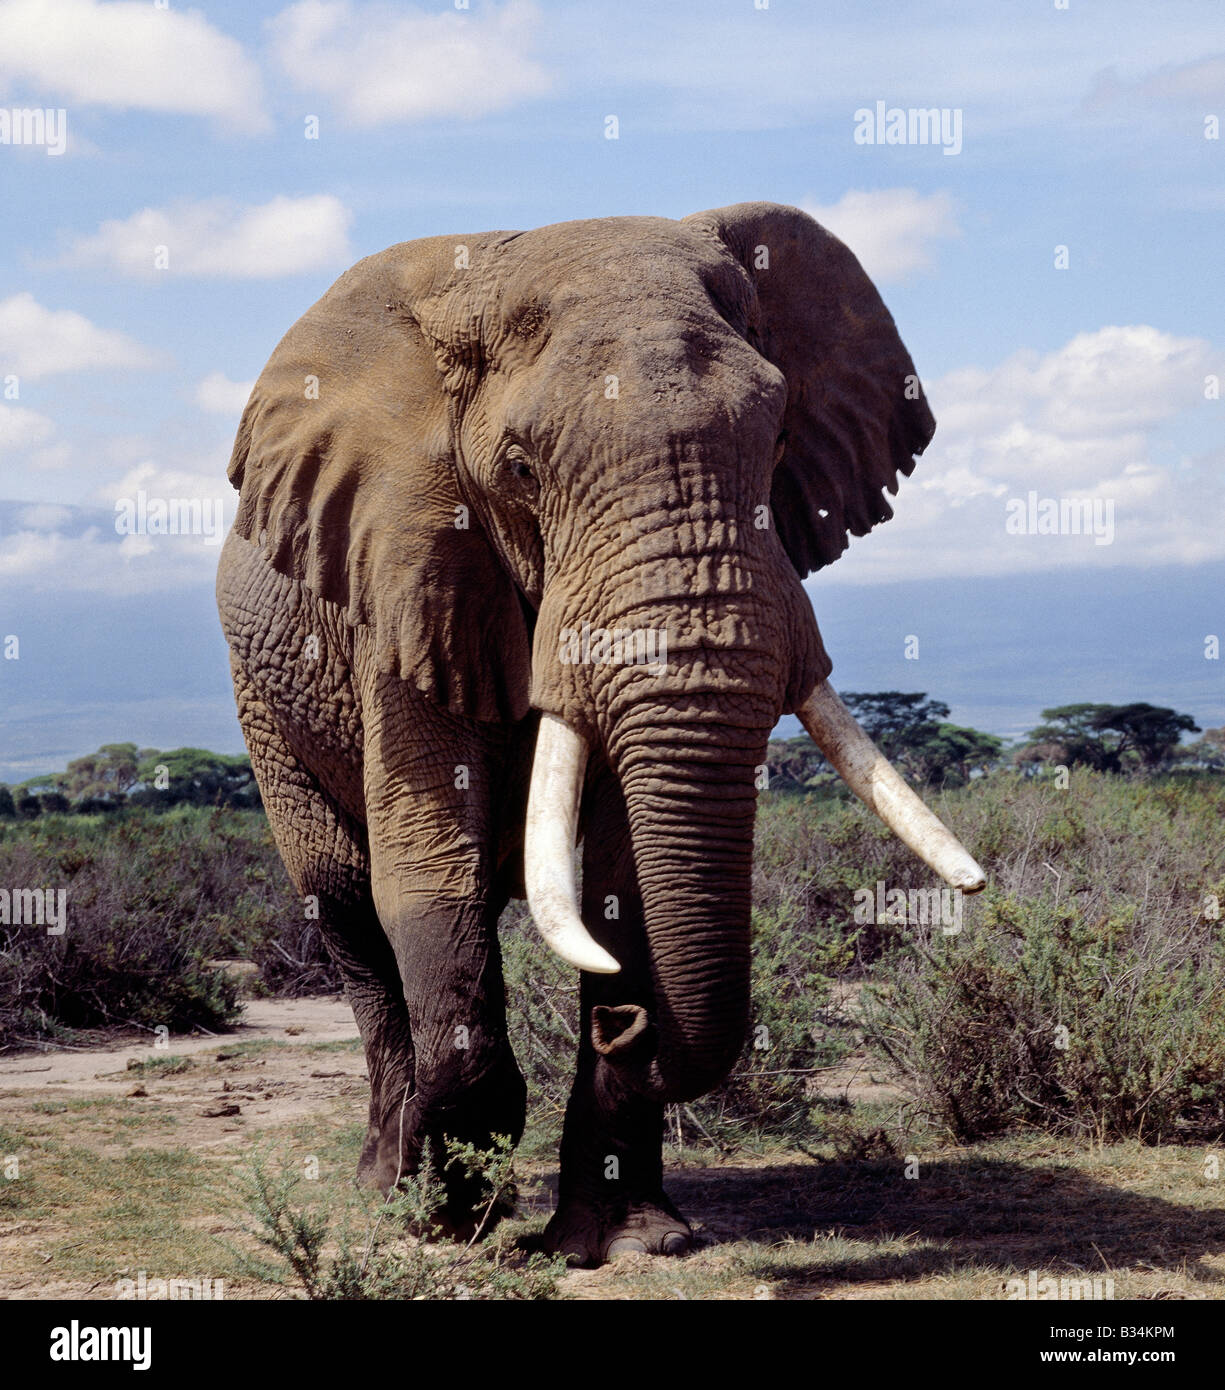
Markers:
375,1249
1050,1017
151,901
812,855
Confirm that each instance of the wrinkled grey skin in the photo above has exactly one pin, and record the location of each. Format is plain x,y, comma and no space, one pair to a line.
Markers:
467,446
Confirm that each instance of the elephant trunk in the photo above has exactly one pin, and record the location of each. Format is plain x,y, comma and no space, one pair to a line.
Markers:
690,799
685,735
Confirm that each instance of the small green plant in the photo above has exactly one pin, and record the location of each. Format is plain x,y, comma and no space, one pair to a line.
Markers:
392,1249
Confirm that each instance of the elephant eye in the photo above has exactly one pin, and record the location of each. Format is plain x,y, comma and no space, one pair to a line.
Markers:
520,464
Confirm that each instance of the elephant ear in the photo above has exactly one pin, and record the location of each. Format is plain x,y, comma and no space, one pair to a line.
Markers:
856,413
348,481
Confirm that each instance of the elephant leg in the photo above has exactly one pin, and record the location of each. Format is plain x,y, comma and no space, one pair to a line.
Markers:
325,854
430,783
611,1198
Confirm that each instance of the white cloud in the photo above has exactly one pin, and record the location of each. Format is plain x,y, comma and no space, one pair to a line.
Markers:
51,549
216,237
157,481
99,561
37,342
1113,382
53,457
891,230
1089,420
220,396
129,55
380,62
21,428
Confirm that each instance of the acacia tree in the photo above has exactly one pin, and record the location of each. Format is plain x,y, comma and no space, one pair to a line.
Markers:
1150,730
897,721
109,773
914,733
1207,752
1071,735
195,775
1109,737
954,753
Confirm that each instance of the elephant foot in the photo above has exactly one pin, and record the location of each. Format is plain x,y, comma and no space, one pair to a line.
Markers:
591,1233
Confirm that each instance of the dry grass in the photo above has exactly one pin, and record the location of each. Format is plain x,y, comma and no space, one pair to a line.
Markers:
116,1184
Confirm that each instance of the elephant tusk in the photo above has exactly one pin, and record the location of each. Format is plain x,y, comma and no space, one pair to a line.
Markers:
548,848
870,775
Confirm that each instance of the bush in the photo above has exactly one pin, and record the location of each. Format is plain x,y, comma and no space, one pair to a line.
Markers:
811,856
294,960
1050,1017
151,900
1103,918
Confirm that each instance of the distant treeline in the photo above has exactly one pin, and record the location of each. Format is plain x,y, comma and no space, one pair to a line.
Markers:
913,732
915,735
121,774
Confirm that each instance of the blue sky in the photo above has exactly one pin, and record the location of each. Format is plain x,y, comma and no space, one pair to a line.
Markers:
1087,127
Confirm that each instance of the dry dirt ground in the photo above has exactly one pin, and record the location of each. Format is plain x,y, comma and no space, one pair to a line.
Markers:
116,1160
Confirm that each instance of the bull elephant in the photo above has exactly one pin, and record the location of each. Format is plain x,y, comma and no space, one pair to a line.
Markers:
472,477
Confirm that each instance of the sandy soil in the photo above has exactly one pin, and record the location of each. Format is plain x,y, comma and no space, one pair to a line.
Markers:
324,1018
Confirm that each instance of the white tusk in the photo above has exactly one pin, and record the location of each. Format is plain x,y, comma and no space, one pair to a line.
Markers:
548,846
870,775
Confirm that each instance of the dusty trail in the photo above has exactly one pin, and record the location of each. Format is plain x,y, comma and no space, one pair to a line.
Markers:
324,1018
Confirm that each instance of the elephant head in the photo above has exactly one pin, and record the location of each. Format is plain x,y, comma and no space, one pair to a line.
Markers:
487,449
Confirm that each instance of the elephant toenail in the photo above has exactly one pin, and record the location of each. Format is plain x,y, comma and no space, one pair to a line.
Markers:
624,1245
674,1243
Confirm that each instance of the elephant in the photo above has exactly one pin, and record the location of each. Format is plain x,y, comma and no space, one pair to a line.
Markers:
517,560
